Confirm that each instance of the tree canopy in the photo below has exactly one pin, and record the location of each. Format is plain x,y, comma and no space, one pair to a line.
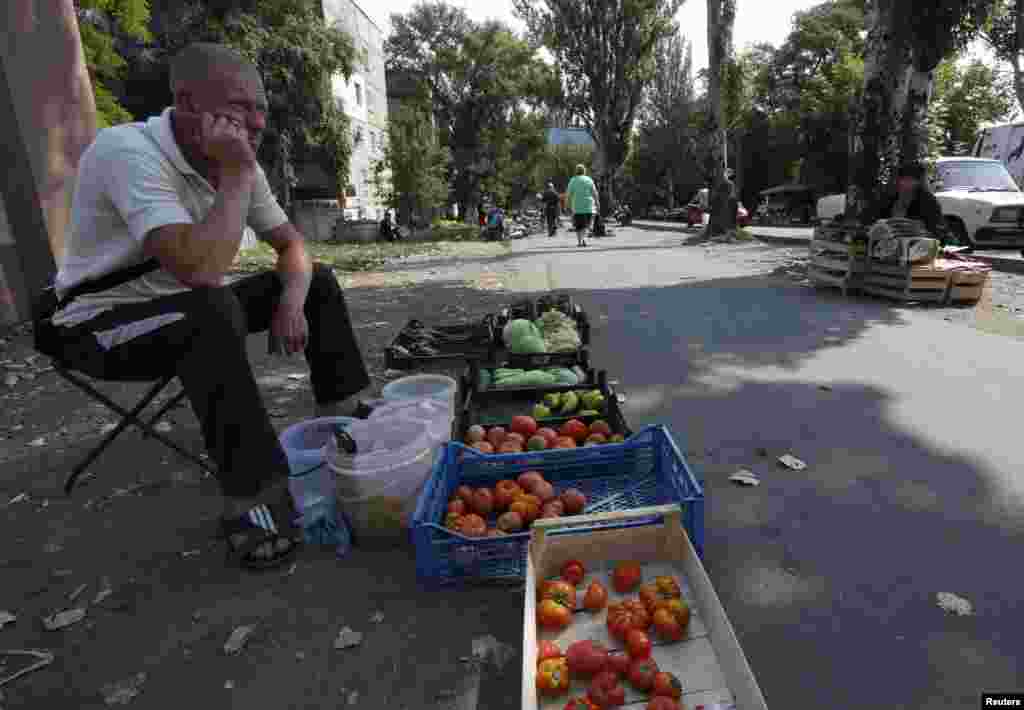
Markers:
483,82
604,51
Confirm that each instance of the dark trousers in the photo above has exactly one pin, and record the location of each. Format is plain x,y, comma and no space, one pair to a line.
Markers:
207,350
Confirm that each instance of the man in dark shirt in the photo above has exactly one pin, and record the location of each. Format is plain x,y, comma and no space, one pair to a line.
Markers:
912,200
551,203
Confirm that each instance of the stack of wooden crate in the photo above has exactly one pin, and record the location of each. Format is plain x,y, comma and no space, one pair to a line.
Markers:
835,259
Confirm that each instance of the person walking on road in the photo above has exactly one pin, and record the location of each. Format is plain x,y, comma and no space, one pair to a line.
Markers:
551,204
583,202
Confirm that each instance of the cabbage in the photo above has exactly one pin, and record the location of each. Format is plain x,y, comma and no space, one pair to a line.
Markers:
528,344
517,329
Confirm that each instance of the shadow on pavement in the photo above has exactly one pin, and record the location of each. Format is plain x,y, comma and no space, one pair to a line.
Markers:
828,575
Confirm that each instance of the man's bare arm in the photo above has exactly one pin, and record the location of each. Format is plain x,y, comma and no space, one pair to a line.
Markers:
200,254
293,263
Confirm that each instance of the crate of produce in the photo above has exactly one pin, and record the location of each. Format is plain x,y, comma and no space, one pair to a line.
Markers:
591,408
646,469
420,346
485,377
653,581
558,334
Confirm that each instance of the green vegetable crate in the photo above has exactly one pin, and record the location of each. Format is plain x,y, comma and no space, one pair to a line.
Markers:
559,332
487,377
496,406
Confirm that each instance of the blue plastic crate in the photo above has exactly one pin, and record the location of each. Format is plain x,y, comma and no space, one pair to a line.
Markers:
648,469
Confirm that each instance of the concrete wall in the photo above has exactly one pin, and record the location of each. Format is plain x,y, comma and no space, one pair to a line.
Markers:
315,219
364,99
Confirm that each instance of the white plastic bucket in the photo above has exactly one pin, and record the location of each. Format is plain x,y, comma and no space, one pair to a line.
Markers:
377,487
437,387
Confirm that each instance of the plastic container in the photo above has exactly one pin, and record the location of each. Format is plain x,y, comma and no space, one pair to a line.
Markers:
310,481
647,469
440,387
438,418
377,486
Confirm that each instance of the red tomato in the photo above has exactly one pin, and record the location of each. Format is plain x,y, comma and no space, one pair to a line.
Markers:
630,614
586,658
668,685
561,591
637,644
547,649
626,576
642,672
596,597
667,625
457,506
573,572
605,690
660,702
552,615
619,663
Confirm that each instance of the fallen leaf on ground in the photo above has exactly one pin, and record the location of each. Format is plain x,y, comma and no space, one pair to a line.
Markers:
487,648
63,619
6,618
377,617
790,461
11,380
163,427
237,639
950,602
78,590
347,638
123,692
745,477
41,441
229,684
353,697
104,592
18,498
43,659
190,553
52,548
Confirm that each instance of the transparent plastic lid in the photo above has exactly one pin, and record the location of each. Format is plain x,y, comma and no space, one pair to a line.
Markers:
435,413
377,444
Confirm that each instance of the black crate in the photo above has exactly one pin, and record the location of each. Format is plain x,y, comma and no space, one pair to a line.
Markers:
496,407
531,310
468,342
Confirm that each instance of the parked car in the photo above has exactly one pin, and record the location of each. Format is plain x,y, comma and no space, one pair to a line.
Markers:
786,204
695,215
980,200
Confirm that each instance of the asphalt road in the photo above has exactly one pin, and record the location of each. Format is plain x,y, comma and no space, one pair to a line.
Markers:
906,417
908,421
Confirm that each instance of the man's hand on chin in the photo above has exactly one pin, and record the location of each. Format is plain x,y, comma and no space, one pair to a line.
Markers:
289,330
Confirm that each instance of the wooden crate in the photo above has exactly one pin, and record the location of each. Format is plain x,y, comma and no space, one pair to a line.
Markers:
709,661
967,286
833,263
907,283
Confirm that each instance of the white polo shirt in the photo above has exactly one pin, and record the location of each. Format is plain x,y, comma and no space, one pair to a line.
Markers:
131,180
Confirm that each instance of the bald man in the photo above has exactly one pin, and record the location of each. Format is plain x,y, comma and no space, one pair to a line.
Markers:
176,192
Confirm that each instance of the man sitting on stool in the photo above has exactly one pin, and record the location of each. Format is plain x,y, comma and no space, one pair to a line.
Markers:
180,188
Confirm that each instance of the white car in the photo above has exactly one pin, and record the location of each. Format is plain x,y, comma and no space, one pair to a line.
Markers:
980,200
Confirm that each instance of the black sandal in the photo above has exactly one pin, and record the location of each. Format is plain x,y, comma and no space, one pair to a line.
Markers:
262,524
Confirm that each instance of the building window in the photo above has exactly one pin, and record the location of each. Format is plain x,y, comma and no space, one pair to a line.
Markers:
359,95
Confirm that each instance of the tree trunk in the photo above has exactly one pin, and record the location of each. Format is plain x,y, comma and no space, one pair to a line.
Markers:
873,134
671,191
721,14
1018,70
738,158
913,133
